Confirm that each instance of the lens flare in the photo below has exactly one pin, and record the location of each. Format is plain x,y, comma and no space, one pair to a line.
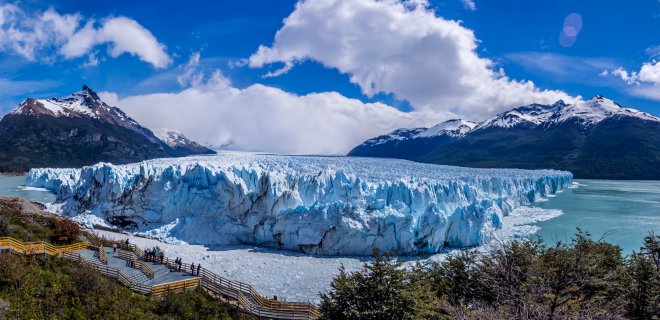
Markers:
570,30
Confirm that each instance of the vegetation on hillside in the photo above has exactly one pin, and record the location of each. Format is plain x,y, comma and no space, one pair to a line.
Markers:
582,279
44,287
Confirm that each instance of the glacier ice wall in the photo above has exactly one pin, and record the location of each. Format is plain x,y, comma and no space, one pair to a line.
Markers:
318,205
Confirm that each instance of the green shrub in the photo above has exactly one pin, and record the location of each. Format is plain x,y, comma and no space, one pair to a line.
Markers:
582,279
379,291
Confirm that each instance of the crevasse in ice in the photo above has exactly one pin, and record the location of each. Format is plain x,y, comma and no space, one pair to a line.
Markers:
318,205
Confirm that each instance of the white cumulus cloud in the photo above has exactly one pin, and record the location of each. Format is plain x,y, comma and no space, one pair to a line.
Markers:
642,83
48,35
399,47
262,118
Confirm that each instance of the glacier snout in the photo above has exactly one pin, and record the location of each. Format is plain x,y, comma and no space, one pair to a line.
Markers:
318,205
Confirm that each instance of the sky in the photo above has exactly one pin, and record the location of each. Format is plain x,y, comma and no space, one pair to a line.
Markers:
321,76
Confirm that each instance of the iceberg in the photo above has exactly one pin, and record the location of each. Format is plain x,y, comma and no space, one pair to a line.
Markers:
314,204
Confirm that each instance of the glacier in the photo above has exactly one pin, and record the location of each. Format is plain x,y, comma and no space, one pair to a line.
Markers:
314,204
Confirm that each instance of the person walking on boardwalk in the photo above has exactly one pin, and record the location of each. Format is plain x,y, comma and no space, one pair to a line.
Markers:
114,248
192,269
162,257
199,266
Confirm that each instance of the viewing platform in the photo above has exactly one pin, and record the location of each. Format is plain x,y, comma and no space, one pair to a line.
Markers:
130,267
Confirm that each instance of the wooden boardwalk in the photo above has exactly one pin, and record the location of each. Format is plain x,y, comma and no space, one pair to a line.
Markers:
129,268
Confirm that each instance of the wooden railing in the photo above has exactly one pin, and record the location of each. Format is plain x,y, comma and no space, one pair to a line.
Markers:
136,262
176,286
110,272
146,269
102,256
246,297
256,304
11,244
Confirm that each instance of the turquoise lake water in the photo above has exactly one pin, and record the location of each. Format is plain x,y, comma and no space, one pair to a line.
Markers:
621,212
11,186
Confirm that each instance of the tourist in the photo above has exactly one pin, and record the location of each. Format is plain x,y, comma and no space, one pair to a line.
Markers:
162,257
114,248
199,266
192,269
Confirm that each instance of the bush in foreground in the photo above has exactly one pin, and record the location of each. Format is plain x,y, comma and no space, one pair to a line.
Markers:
582,279
44,287
38,287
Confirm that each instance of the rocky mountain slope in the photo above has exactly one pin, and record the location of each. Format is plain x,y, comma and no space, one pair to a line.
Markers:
593,139
76,130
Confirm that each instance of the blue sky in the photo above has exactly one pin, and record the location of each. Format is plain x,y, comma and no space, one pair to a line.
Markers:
520,39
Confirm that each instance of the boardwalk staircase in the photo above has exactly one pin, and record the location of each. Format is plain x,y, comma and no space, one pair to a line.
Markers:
128,265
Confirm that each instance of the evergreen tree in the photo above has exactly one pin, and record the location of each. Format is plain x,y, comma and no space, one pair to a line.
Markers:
380,290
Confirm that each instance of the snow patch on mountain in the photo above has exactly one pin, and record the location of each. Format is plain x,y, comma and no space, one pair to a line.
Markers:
84,103
174,138
318,205
396,135
586,113
596,110
454,128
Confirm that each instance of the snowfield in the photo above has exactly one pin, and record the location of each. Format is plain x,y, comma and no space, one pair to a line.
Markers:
316,205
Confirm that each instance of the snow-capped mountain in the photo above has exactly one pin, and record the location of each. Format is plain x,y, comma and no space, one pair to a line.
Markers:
82,104
394,136
79,129
597,138
586,113
453,128
177,141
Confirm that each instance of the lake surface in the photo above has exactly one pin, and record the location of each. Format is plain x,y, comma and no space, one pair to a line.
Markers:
13,186
620,212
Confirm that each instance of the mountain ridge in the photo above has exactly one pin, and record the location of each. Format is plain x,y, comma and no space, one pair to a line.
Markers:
76,130
563,136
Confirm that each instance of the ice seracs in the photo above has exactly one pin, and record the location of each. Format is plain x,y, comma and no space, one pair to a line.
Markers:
318,205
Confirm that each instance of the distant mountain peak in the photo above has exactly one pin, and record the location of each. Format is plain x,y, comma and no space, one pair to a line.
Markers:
586,113
595,138
398,134
177,141
80,129
452,127
88,92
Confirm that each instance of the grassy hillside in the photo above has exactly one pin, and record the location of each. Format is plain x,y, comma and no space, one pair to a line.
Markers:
43,287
